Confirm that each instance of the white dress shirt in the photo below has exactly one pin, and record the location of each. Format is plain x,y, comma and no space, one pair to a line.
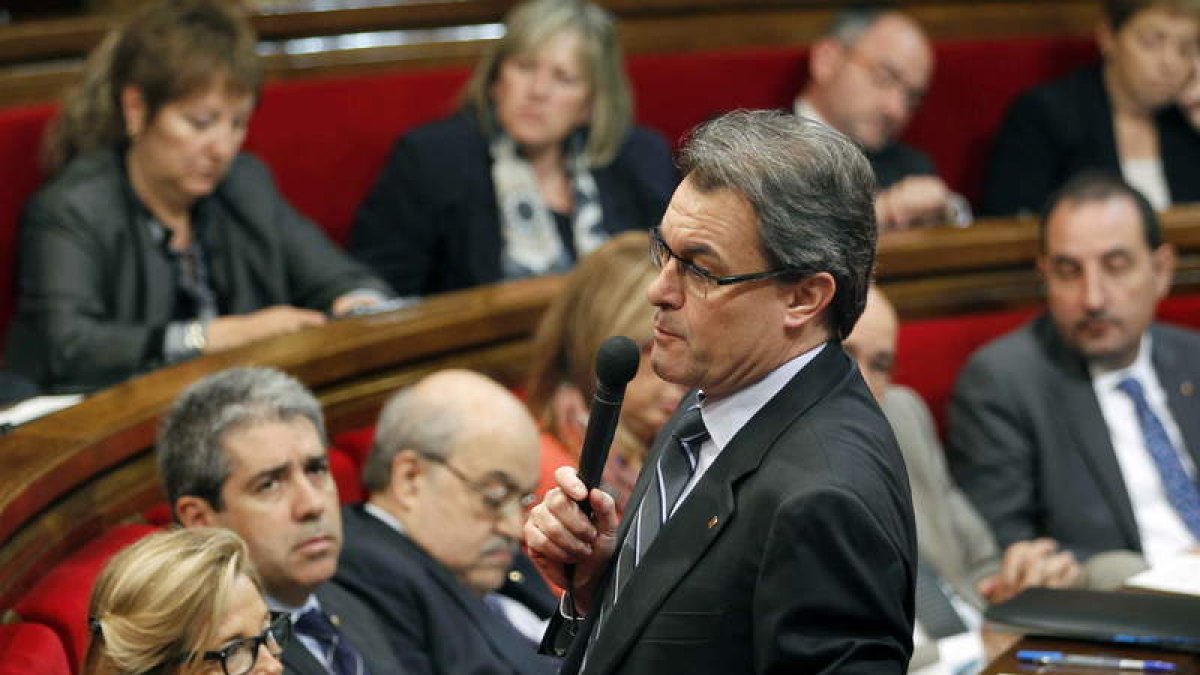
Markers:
1162,532
294,613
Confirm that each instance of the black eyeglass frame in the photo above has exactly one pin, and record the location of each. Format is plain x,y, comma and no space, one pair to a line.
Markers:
658,246
523,501
279,629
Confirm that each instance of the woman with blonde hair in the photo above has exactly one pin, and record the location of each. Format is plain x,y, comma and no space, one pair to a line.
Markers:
182,602
157,239
605,295
539,167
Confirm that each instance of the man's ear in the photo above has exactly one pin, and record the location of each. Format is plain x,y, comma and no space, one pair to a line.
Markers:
1163,258
192,511
133,110
808,299
825,59
1105,36
406,476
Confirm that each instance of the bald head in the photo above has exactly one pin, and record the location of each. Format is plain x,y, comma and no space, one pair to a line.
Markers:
446,413
868,75
872,343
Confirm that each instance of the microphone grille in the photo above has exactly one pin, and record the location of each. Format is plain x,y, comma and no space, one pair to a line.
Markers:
617,361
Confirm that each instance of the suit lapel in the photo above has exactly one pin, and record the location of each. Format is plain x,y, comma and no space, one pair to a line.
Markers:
298,661
708,509
1084,423
1179,380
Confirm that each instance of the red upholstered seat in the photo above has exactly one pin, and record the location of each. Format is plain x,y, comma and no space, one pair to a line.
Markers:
31,649
356,443
60,599
347,475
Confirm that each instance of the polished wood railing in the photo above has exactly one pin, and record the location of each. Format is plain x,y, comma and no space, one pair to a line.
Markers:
68,476
39,58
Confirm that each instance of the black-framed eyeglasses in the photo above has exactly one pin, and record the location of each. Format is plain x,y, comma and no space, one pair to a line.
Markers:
238,657
661,254
496,497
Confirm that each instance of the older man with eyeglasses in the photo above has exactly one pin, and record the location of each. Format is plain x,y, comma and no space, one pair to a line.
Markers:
455,459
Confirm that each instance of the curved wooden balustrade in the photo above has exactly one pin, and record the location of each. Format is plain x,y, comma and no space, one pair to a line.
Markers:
68,476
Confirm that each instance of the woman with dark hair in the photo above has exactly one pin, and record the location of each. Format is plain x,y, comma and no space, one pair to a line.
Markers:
1117,115
539,167
156,239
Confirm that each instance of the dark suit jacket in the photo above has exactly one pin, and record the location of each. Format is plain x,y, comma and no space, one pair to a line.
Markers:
794,553
898,161
1030,447
431,224
435,624
361,628
1061,128
95,286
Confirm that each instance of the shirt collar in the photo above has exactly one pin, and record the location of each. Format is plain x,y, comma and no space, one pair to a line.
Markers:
383,515
724,418
1141,368
803,108
294,612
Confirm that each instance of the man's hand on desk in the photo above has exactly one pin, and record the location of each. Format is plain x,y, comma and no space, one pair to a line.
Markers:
227,332
1036,562
559,534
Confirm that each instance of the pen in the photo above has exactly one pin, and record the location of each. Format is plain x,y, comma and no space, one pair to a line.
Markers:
1050,658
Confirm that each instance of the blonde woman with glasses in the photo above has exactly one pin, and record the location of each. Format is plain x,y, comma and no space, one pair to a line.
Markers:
180,603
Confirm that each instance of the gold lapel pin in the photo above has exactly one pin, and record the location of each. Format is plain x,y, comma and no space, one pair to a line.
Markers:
712,522
1187,388
515,576
335,620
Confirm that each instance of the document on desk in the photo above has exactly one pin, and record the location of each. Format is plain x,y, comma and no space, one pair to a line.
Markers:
38,406
1180,574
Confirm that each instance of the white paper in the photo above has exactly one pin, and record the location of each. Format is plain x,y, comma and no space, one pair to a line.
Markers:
1180,574
33,408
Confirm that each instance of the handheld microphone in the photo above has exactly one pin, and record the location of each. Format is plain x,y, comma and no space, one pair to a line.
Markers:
616,364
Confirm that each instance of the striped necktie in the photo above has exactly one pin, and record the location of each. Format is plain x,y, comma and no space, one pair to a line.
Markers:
340,655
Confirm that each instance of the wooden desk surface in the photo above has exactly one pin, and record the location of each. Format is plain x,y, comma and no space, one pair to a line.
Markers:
1006,663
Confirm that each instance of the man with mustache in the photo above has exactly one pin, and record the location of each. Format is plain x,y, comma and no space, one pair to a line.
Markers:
1084,425
867,76
244,449
449,476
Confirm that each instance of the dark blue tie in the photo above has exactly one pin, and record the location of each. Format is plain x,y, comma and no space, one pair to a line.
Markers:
340,654
1181,490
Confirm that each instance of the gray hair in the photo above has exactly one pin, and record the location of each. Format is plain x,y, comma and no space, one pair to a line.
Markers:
850,24
811,188
409,421
191,459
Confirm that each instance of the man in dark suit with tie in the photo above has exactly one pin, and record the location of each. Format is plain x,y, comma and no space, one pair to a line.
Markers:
245,449
450,473
771,529
1084,425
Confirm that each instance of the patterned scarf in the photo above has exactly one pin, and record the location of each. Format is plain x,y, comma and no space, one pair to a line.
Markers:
532,245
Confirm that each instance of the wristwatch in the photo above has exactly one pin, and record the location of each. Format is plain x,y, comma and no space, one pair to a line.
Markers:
195,336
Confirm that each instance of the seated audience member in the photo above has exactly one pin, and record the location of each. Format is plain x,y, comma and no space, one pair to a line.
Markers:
539,167
961,567
244,449
867,76
604,296
1083,425
181,602
1116,115
442,525
1189,98
156,240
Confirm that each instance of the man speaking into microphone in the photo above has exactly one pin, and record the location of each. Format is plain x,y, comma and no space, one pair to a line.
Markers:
771,530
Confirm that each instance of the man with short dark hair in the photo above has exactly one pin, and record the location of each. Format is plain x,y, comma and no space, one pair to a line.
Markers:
244,449
867,76
1083,425
449,477
771,529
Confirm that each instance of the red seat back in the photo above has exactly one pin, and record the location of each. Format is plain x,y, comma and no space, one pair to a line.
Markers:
31,649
